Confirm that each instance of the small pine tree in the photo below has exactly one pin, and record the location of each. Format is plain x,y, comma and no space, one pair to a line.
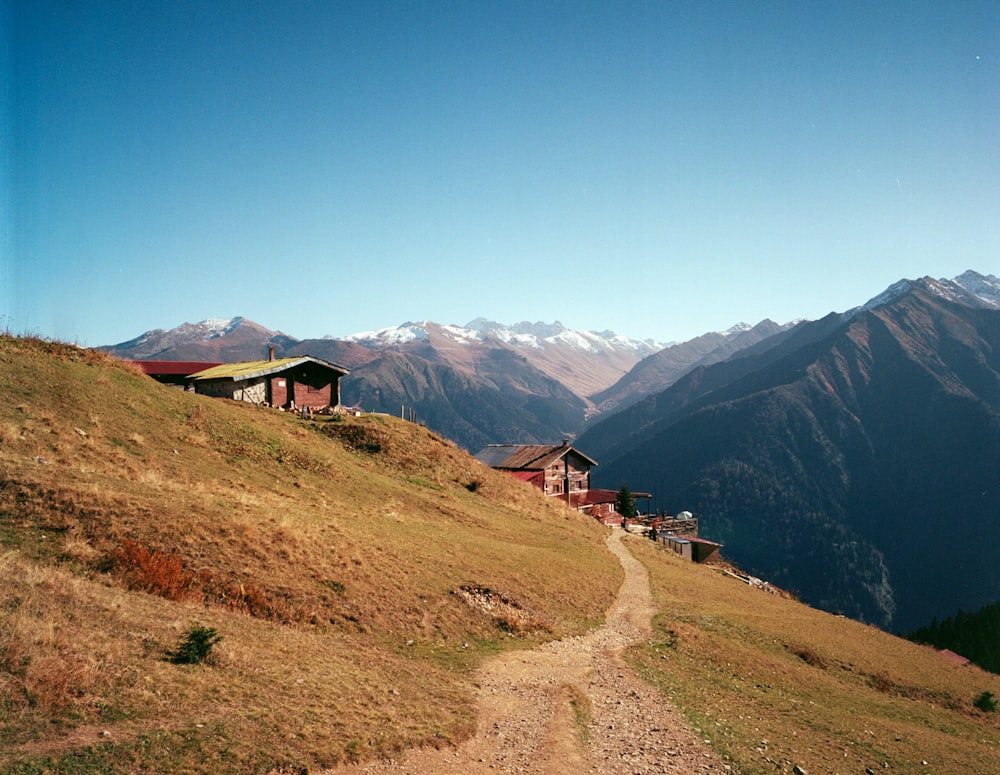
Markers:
624,502
196,647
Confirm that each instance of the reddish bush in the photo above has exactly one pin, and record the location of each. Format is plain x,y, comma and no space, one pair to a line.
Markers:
153,570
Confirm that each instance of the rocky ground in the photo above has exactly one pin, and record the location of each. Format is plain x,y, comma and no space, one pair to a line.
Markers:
572,706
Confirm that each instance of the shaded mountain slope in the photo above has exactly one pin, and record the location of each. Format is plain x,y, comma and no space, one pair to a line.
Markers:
504,399
660,370
858,462
613,436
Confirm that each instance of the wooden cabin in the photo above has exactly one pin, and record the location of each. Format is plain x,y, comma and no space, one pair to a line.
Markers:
555,469
298,382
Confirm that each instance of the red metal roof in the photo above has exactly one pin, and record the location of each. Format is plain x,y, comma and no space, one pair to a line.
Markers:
951,656
174,368
580,498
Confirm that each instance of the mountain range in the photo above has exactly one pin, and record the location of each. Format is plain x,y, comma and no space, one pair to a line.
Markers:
477,384
853,459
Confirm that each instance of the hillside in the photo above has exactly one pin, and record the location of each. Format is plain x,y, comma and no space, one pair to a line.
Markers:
330,556
854,460
359,572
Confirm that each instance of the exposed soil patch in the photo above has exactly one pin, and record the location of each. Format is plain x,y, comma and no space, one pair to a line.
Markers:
571,706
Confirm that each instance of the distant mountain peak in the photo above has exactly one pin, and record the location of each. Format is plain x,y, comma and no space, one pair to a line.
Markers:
986,288
970,288
739,328
391,335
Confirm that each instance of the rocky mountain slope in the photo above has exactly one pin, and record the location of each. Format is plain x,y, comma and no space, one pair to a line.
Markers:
585,362
855,459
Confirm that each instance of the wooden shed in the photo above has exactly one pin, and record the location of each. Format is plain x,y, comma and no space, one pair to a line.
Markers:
691,547
299,382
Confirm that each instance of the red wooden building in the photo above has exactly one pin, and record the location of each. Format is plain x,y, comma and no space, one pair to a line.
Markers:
556,470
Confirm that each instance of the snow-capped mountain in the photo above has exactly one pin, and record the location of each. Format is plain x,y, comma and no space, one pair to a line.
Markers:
388,337
524,334
583,361
984,288
207,340
969,288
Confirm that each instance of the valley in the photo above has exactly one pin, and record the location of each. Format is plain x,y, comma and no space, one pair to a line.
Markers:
335,558
824,454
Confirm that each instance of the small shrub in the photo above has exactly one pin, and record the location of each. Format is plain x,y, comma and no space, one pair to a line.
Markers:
196,646
336,587
986,702
809,656
882,682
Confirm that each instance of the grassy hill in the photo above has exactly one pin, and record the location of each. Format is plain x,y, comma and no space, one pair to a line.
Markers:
774,684
348,566
358,570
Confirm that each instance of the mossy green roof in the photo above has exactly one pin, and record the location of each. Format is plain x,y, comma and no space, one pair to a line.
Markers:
251,369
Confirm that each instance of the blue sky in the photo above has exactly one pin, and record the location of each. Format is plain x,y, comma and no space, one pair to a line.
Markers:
659,169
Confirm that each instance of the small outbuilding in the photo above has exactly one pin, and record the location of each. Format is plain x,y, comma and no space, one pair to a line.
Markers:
691,547
298,382
175,373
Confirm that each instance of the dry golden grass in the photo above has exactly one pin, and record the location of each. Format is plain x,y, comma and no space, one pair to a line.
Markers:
331,556
774,684
328,554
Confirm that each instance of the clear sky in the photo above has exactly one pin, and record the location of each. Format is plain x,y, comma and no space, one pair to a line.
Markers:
660,169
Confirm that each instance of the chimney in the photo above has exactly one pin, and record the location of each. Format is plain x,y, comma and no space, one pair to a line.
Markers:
270,353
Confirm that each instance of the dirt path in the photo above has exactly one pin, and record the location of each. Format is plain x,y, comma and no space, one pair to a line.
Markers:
527,722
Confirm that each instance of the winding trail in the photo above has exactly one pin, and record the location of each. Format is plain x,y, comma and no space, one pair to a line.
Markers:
526,721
